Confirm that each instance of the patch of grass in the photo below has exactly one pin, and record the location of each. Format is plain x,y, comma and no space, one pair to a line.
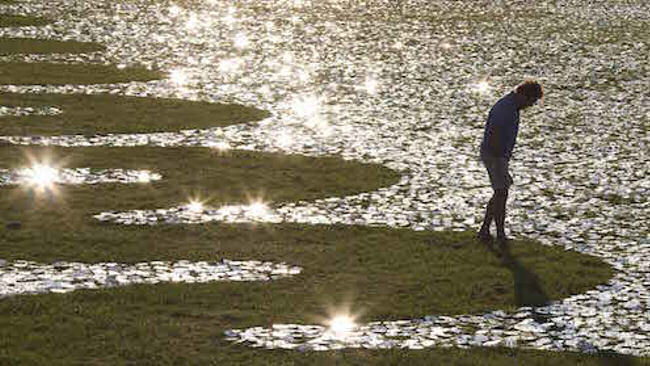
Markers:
232,176
39,73
98,114
616,199
388,273
548,192
391,273
22,21
153,326
424,272
11,46
437,356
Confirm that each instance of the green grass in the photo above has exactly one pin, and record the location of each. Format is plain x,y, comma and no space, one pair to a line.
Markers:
616,199
85,114
387,273
11,46
38,73
226,177
173,324
22,21
424,268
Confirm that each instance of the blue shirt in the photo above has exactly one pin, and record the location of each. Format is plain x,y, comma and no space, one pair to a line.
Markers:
501,128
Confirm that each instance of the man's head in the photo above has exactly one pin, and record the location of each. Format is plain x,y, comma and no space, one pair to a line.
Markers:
527,93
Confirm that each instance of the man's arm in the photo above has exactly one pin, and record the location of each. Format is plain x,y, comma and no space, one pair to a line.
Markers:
500,133
494,140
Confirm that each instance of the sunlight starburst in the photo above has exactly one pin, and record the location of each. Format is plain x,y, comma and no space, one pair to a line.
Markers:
41,176
144,177
371,85
195,206
178,77
306,106
258,209
241,41
482,87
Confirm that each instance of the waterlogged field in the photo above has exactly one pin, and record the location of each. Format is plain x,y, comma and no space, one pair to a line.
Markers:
259,182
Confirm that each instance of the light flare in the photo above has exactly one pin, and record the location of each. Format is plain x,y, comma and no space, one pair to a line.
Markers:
258,209
230,18
287,57
320,125
482,87
195,206
241,41
192,22
306,106
41,176
265,90
285,71
174,10
371,85
178,77
219,146
284,139
144,177
304,76
229,65
341,325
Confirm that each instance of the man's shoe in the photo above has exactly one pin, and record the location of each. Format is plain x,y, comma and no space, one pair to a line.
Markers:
484,237
504,241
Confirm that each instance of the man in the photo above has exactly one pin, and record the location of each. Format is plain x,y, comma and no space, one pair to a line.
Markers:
498,142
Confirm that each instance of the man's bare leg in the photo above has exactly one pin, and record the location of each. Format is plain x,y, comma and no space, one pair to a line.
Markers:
484,232
501,196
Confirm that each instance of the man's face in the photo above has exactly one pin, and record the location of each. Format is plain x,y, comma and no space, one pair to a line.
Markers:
529,102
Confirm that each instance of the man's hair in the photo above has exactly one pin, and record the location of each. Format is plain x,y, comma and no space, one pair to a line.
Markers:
531,89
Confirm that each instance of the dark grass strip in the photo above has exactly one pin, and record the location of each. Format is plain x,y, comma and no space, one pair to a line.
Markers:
22,21
11,46
101,114
37,73
229,177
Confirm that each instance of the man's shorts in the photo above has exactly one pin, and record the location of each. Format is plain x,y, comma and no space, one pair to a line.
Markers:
498,171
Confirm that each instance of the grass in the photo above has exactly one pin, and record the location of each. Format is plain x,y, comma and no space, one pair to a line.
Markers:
172,324
616,199
100,114
39,73
429,272
11,46
388,273
391,273
22,21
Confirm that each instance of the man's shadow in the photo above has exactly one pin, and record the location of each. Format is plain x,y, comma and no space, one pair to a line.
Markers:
528,292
